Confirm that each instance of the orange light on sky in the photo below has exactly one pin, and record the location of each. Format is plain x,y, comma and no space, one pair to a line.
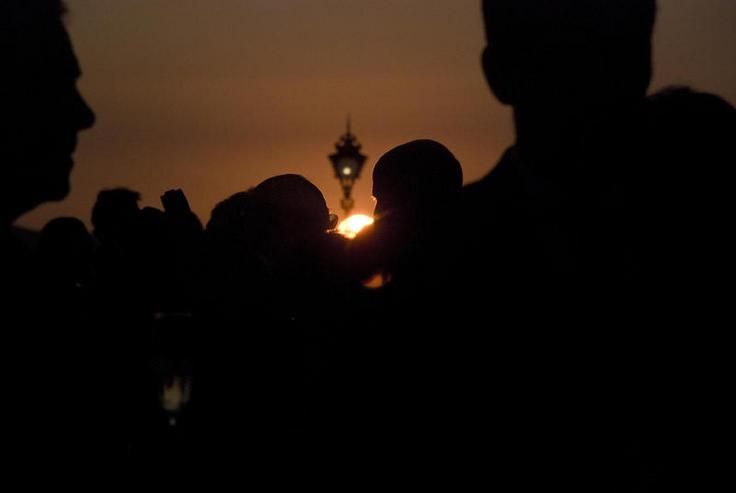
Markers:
353,225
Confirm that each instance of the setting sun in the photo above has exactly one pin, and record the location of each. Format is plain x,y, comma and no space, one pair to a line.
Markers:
353,225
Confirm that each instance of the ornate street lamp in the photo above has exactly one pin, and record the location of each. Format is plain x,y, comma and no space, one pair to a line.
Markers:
347,162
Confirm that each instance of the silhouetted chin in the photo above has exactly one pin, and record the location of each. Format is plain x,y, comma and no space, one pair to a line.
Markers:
60,192
57,185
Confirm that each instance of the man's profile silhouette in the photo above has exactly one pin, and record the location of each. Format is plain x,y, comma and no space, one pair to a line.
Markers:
43,110
47,420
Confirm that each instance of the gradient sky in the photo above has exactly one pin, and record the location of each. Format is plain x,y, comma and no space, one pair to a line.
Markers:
213,96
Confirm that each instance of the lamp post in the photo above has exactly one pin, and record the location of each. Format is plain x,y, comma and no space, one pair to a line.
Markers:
347,162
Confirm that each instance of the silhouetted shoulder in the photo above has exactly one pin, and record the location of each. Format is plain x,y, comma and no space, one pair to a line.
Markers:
698,116
674,100
503,185
26,238
693,135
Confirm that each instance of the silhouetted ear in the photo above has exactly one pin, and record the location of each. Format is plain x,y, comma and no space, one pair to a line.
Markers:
498,78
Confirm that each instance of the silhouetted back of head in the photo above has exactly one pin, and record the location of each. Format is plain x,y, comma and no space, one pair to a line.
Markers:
65,237
295,203
65,249
567,50
234,220
422,175
271,218
19,14
116,214
692,135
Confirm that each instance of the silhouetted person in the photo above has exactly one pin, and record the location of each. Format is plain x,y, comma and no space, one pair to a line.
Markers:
42,110
148,268
571,70
169,252
44,384
124,304
560,241
42,114
117,222
137,256
278,229
404,325
682,196
680,249
272,288
116,217
65,259
575,74
417,189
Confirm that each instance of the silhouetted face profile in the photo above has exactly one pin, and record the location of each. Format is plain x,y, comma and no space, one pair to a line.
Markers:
66,250
563,52
417,186
420,176
42,109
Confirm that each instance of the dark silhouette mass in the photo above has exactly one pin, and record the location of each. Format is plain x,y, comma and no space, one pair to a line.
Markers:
417,188
568,230
43,110
42,114
553,326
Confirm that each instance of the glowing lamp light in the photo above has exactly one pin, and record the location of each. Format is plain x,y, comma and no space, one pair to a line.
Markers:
347,162
353,225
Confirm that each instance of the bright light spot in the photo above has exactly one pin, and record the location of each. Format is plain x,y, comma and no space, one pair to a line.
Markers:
347,171
377,281
175,393
353,225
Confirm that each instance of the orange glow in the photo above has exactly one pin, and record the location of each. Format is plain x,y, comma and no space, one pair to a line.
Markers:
377,281
353,225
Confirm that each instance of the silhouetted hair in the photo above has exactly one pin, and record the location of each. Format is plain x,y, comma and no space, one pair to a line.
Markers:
695,135
563,47
420,173
565,22
25,23
16,15
295,200
235,220
114,208
286,201
65,236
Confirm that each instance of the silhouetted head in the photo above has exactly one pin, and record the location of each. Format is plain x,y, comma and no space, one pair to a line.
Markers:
65,248
417,187
275,216
153,225
567,52
234,220
295,204
116,215
65,235
692,137
421,176
40,108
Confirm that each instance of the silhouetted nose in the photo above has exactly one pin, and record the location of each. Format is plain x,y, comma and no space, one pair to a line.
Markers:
85,117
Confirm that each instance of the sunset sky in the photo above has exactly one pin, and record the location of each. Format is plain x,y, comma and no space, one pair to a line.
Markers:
213,96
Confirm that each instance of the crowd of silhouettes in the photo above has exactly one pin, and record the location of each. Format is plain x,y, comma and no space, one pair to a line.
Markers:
555,325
